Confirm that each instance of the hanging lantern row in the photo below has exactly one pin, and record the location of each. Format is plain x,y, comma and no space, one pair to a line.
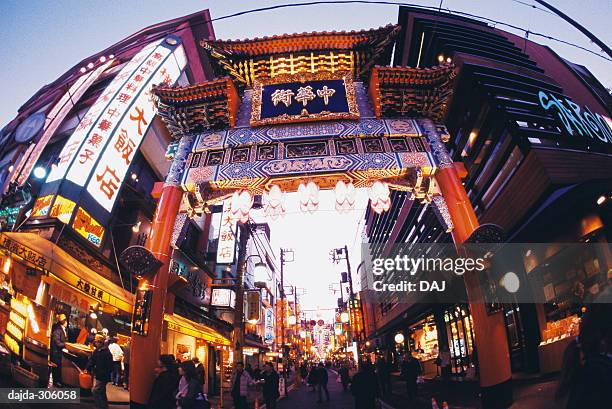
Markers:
345,197
309,197
273,202
380,197
242,202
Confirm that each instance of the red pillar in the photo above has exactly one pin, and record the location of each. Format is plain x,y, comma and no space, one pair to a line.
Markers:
145,350
489,330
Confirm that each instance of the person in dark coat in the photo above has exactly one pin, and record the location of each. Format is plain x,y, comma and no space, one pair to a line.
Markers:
189,387
58,344
344,375
101,365
200,372
303,372
586,374
165,386
410,371
364,387
127,349
312,377
322,379
270,385
384,375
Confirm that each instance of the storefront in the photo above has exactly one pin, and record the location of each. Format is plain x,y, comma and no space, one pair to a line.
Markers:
44,281
564,279
186,339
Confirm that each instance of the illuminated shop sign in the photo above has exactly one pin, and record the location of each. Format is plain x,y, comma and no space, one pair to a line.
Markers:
88,227
42,205
54,119
304,97
62,209
223,297
253,306
269,326
576,121
142,312
99,152
22,251
227,235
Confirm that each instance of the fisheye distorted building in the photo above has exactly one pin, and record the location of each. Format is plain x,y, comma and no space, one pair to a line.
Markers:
128,185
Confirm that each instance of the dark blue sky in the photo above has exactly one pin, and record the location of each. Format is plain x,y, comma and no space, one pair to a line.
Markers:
42,39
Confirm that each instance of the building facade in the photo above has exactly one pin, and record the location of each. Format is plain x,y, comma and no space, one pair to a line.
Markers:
532,133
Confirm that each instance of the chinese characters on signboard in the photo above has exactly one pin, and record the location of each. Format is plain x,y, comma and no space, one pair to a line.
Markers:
142,312
253,306
269,326
223,297
54,119
227,235
98,154
304,97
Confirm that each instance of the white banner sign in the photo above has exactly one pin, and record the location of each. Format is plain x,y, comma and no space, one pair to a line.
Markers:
227,235
55,118
100,151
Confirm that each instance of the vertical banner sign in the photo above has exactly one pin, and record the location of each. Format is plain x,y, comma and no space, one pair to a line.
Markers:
55,118
99,153
227,235
269,326
142,311
253,306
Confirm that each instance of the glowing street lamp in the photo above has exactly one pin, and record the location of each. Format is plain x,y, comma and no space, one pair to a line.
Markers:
399,338
40,172
344,317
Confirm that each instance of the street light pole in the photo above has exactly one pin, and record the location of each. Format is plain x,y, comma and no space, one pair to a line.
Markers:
284,309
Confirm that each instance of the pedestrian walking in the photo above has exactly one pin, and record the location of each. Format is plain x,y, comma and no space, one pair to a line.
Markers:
312,378
165,386
383,373
200,372
410,371
344,375
364,387
58,344
101,364
189,388
586,375
444,359
270,380
117,352
127,349
322,379
240,384
303,372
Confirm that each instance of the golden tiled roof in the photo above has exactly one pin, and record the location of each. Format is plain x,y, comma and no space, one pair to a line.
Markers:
355,51
405,91
212,104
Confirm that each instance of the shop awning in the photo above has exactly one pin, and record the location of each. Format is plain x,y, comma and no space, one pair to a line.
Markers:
63,267
188,327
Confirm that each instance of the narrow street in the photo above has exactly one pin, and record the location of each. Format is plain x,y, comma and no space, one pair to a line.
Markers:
304,398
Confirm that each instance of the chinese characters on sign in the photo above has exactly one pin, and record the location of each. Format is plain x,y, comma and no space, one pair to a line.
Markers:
98,154
298,98
131,120
223,297
142,312
227,235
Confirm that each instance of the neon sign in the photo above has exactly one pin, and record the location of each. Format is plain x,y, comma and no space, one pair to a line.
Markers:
575,121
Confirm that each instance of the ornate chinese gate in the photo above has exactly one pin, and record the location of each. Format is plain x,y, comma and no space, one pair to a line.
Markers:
295,115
